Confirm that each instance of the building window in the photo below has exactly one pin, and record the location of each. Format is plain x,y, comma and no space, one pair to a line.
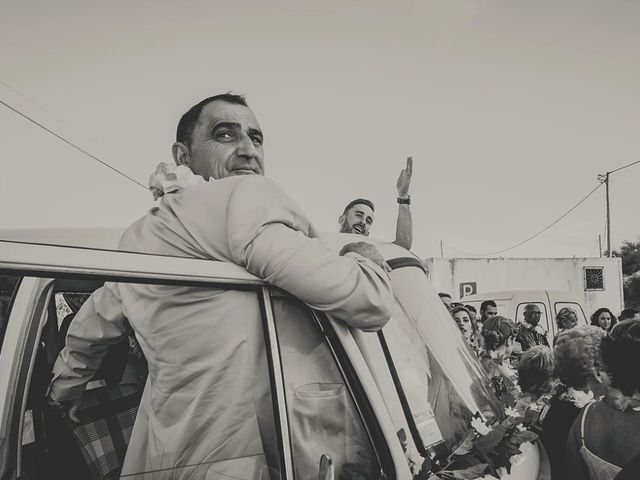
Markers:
594,278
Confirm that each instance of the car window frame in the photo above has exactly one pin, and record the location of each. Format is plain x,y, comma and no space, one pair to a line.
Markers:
356,390
32,321
9,307
26,324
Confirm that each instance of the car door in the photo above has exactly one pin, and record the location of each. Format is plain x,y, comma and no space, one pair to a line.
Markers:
32,449
329,414
290,401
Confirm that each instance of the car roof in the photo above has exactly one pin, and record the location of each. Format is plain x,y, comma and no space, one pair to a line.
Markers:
92,252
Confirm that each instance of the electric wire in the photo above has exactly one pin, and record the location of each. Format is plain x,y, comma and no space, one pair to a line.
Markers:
68,142
625,166
538,233
63,122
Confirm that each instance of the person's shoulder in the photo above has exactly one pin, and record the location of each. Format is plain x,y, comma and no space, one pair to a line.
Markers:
257,184
127,242
254,185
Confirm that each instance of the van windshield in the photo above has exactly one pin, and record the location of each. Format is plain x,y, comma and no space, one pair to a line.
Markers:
436,372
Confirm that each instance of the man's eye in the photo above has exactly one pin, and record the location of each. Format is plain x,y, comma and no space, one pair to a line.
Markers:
257,141
224,136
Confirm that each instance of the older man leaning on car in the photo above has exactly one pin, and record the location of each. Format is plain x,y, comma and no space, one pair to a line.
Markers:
241,217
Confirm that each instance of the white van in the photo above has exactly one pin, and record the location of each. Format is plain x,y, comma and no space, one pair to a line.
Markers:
511,305
412,387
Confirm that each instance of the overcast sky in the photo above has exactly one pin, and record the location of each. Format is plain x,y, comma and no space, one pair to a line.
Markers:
509,108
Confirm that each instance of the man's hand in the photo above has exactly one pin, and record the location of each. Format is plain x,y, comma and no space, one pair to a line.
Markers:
69,407
366,250
404,180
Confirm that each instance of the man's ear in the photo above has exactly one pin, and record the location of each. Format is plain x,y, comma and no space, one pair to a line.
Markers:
341,219
181,154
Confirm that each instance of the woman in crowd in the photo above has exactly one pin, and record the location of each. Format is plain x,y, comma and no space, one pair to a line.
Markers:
498,335
605,436
577,365
603,318
468,325
566,319
536,380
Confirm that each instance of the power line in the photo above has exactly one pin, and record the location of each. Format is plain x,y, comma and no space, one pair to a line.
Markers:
540,232
68,142
625,166
67,124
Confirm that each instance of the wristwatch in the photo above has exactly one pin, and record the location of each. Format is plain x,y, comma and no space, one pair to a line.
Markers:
404,200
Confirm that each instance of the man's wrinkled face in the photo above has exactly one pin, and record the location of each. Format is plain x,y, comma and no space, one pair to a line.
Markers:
604,320
532,316
358,219
490,312
227,141
464,324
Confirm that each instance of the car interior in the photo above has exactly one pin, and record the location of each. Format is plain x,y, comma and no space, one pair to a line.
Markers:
50,446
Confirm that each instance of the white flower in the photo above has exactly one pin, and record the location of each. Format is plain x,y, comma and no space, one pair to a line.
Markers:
479,426
521,428
517,459
511,412
169,178
578,397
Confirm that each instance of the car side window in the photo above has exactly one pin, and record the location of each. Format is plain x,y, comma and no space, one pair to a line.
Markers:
8,289
206,354
323,418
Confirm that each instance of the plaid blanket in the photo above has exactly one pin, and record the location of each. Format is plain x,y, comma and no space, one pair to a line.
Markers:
107,415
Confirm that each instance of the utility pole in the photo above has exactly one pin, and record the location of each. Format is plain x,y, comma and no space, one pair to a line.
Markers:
606,185
604,178
600,245
441,250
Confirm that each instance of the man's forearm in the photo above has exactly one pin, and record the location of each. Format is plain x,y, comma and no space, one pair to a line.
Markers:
404,227
98,325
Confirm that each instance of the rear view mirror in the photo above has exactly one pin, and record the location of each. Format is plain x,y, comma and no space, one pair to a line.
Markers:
325,471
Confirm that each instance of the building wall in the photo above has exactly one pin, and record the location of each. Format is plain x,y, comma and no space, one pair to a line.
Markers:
496,274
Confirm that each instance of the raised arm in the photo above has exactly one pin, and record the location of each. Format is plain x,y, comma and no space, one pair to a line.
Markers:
271,237
404,224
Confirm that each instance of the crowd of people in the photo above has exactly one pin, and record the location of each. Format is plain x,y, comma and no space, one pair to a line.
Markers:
583,387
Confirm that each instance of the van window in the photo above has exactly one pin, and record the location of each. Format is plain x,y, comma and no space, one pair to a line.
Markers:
323,418
232,433
8,289
576,307
545,321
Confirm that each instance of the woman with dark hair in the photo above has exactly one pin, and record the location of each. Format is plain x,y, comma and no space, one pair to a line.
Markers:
498,334
468,325
605,436
603,318
577,364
